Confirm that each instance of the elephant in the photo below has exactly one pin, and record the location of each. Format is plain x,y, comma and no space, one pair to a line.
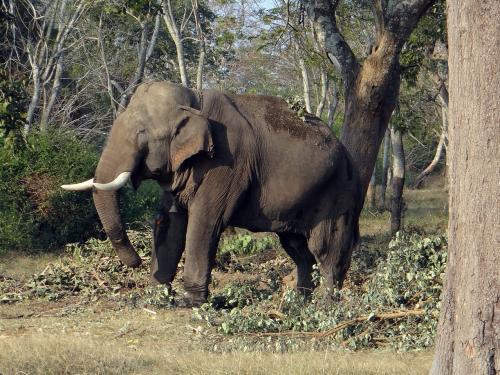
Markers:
223,160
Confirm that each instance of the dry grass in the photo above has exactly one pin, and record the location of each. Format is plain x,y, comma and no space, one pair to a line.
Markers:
20,265
70,354
425,208
98,340
56,355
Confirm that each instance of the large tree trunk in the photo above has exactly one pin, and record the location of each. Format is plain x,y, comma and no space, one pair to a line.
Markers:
398,179
370,101
371,89
468,336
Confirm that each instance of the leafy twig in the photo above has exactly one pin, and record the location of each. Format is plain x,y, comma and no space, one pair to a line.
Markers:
348,323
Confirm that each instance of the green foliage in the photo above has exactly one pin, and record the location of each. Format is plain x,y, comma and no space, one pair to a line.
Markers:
137,207
35,213
136,7
13,104
245,244
419,46
412,272
409,278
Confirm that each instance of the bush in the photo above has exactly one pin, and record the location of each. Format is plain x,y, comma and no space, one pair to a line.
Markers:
35,213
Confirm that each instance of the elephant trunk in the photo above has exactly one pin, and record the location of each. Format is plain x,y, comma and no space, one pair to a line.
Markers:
111,165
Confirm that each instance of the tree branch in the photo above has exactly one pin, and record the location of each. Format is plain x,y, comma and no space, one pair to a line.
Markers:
379,12
331,40
403,16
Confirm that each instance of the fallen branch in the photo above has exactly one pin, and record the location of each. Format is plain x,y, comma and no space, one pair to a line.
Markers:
348,323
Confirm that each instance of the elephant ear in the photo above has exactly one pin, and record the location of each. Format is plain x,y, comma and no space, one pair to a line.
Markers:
192,136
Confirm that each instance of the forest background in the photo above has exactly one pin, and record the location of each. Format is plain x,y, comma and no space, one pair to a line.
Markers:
69,67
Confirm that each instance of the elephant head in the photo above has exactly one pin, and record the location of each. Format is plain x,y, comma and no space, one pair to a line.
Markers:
153,138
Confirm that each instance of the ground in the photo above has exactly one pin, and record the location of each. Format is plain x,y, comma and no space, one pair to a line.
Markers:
70,336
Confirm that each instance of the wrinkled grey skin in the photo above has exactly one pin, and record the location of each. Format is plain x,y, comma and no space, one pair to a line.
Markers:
239,160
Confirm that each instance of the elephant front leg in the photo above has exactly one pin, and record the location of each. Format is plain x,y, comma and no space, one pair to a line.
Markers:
202,238
169,237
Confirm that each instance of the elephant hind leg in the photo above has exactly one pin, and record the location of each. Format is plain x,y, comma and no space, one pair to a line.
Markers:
296,247
332,241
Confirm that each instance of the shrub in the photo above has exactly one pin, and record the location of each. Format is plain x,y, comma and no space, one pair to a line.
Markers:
35,213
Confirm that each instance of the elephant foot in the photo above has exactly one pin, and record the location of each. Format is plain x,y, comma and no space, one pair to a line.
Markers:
301,283
192,300
130,259
159,277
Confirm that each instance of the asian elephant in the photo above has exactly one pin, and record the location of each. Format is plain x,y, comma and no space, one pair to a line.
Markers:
241,160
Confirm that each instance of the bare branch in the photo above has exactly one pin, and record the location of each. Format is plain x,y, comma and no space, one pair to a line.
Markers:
106,70
152,42
176,36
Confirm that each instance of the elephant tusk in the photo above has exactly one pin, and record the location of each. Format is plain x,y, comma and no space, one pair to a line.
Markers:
116,184
86,185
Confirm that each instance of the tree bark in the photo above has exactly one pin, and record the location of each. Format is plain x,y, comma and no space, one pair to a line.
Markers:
385,168
324,92
372,190
332,106
199,71
201,41
468,336
398,179
35,98
306,85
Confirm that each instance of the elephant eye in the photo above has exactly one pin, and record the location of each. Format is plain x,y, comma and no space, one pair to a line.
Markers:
181,123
